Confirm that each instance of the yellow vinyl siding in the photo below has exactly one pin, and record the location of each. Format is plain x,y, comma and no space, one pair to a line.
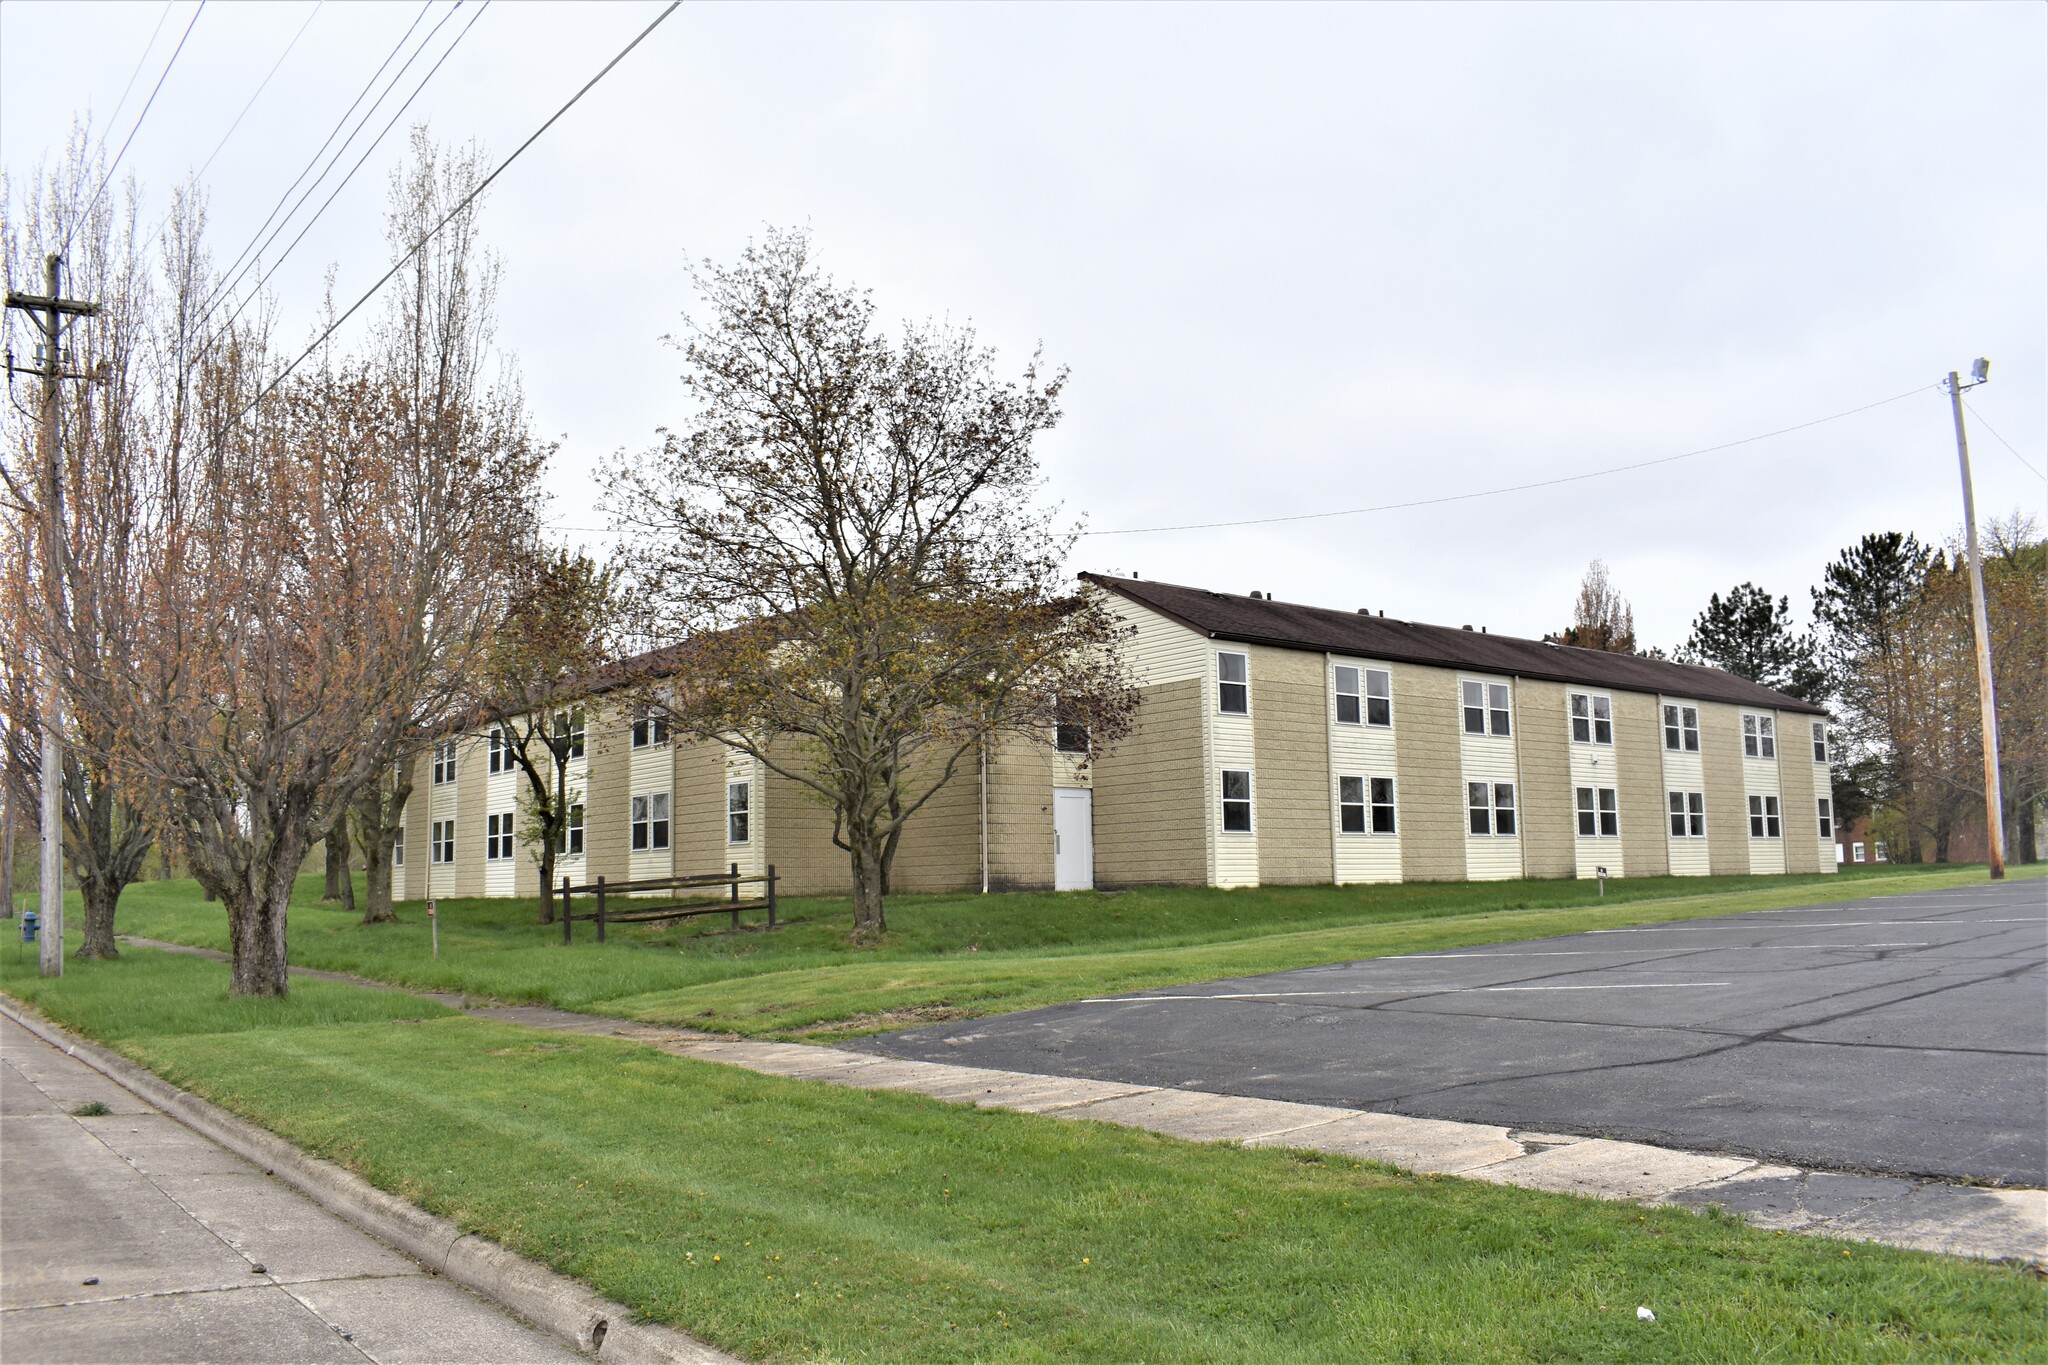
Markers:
1431,788
1159,650
1291,804
1542,739
1363,751
1233,744
1151,817
410,882
1684,771
1488,758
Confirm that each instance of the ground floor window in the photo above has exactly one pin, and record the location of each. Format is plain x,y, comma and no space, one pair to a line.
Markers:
1365,805
649,821
1599,812
1882,856
1237,801
738,808
1856,852
1490,807
1688,815
498,836
1763,818
1827,818
441,841
570,845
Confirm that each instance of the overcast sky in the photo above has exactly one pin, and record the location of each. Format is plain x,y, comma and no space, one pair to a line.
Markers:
1298,260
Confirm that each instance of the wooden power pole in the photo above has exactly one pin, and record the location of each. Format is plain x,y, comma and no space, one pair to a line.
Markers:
1987,701
52,314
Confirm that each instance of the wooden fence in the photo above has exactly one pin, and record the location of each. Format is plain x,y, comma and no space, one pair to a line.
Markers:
606,909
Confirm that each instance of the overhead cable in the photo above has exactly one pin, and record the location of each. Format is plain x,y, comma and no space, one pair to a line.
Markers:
136,127
2001,440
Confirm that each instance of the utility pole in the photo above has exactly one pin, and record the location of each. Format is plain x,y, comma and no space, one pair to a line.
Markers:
1987,703
50,312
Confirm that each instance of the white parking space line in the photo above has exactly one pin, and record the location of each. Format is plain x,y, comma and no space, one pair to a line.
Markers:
1432,989
1610,952
1825,924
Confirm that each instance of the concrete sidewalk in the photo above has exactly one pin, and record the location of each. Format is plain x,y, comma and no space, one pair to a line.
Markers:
129,1237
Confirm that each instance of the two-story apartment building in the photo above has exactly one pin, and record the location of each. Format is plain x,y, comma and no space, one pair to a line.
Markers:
1275,743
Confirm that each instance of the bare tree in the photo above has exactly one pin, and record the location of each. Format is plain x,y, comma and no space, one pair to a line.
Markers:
83,611
843,537
1601,617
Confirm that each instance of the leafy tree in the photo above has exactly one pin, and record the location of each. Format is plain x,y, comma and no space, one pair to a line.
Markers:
1749,634
843,536
1601,617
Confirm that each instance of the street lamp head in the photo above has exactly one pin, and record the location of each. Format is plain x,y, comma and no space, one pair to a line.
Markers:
1980,371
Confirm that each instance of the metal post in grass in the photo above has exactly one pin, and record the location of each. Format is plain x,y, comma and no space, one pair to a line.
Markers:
567,917
771,895
735,895
434,923
600,908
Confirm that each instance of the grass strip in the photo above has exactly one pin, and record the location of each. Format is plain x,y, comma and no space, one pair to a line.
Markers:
790,1221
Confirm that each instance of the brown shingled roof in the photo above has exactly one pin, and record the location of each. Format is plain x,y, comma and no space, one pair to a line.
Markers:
1287,625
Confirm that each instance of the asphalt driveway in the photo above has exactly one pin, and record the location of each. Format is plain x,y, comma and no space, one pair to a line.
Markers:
1903,1034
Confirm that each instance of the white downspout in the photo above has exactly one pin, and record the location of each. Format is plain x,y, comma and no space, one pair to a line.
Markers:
984,817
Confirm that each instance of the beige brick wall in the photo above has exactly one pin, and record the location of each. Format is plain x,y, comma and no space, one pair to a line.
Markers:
1020,782
941,845
1431,791
471,804
1543,755
698,800
607,749
1727,797
1151,794
1291,767
410,881
1639,765
1797,800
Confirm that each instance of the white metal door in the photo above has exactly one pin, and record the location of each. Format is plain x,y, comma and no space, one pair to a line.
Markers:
1073,839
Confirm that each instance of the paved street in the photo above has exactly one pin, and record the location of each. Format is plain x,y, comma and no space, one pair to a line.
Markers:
1905,1034
128,1237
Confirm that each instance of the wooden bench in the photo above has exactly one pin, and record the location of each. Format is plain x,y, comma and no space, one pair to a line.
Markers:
607,909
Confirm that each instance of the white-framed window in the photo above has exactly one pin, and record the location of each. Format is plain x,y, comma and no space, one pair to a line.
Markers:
1827,818
501,751
444,763
1365,805
739,798
1070,730
1688,814
648,822
1820,742
1381,789
1490,807
1856,852
498,836
1237,801
1233,682
1485,706
1592,718
1599,812
650,728
1763,818
1878,852
441,841
398,847
570,844
569,726
1682,728
1759,736
1365,696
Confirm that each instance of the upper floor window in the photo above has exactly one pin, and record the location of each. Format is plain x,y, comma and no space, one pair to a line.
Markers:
649,822
1486,707
1827,818
1237,801
1364,695
1820,742
1599,812
1759,736
500,760
1592,718
1763,818
1682,728
1688,815
1233,683
444,762
738,807
1491,807
569,730
650,727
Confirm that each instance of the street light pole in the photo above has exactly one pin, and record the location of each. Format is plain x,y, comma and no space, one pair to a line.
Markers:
1987,702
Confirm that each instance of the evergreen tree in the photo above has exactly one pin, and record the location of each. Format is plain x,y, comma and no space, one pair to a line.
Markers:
1749,633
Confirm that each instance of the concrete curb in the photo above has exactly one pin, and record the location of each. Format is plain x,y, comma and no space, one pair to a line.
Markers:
552,1302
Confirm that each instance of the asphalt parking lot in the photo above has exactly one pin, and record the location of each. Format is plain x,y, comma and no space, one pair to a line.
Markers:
1905,1034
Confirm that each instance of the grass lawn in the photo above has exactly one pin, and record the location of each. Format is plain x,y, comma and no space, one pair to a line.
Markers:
787,1221
957,956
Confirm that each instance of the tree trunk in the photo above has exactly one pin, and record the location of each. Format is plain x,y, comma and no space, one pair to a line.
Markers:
7,852
101,895
335,843
870,878
256,924
2024,821
377,906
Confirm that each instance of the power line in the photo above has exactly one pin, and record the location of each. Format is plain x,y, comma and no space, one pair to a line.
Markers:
1511,488
467,199
93,203
140,58
2001,440
375,142
201,173
227,282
